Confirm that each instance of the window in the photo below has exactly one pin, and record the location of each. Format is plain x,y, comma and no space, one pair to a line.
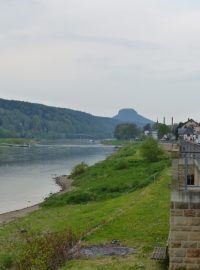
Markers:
190,179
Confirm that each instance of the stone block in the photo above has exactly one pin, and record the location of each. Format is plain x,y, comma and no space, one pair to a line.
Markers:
181,236
189,213
197,212
189,244
176,260
181,205
175,244
178,252
194,205
193,267
195,221
177,212
194,236
180,221
177,266
181,228
189,261
193,252
195,228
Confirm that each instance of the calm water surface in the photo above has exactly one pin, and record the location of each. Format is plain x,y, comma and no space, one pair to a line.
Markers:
26,174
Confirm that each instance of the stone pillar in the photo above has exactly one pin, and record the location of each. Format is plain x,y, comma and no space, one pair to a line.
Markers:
184,242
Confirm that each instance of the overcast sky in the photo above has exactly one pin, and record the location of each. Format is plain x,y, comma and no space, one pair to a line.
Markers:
102,55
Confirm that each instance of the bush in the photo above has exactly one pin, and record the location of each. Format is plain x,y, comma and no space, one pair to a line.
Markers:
81,197
150,150
121,164
79,169
46,252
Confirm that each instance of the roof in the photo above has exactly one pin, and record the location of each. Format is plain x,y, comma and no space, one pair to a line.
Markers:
182,131
190,123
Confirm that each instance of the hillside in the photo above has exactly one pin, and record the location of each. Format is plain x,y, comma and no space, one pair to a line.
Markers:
124,198
29,120
131,116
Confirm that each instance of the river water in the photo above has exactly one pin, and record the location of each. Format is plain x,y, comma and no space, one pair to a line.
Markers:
26,174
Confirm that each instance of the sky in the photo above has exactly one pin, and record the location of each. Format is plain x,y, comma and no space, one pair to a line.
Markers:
99,56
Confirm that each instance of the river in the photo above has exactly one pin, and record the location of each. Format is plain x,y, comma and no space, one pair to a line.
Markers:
26,173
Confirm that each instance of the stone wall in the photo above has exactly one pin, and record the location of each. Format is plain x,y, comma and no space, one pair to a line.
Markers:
184,244
178,172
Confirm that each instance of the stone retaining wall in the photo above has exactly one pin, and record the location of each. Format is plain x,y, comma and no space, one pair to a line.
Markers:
184,244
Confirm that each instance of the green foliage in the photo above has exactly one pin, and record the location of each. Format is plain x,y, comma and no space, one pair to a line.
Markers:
126,131
46,252
79,169
131,205
143,222
27,120
16,141
123,172
150,150
139,219
122,164
162,129
6,262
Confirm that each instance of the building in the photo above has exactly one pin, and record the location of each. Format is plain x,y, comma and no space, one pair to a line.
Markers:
189,131
184,238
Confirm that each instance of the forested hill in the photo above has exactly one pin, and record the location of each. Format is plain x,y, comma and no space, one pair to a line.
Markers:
24,119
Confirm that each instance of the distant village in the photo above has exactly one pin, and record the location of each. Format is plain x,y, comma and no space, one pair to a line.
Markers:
188,131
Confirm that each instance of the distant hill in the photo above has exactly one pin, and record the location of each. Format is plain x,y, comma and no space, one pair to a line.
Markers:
29,120
131,116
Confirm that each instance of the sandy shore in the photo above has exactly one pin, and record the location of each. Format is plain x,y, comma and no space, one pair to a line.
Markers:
63,181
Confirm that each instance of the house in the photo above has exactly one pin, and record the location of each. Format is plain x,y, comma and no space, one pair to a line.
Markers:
190,131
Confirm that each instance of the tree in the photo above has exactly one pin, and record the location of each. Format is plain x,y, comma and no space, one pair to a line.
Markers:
126,131
150,150
162,129
147,127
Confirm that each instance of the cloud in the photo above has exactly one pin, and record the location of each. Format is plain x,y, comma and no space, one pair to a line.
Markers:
65,52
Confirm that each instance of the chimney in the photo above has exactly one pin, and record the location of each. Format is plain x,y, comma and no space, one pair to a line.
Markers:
163,120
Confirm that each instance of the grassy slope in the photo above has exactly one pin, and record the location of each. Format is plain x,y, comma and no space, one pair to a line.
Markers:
141,221
138,218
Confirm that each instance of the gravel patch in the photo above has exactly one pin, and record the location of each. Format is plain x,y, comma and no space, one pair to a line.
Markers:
105,250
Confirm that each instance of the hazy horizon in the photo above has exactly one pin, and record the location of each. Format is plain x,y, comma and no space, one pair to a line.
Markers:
101,56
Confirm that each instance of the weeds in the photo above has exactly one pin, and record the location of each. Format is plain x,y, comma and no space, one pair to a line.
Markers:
46,252
79,169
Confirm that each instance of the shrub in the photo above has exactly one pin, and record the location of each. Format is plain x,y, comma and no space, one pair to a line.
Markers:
46,252
79,169
121,164
150,150
81,197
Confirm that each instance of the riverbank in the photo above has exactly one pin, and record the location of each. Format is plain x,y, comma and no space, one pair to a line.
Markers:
63,181
115,201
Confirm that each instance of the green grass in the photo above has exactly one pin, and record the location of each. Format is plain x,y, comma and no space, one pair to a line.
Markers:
115,142
122,172
142,221
138,217
15,141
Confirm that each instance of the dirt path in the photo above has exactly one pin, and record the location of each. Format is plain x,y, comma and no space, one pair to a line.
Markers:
63,181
